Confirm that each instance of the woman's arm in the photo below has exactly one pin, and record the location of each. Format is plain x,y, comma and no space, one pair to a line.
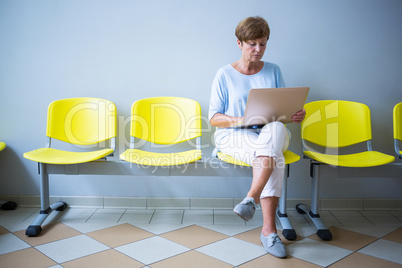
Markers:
224,121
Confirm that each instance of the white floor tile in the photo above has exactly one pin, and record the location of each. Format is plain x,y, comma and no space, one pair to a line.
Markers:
375,213
152,249
22,210
354,221
384,249
331,221
198,216
396,213
225,250
167,216
325,213
105,217
305,231
10,243
346,213
17,226
71,248
384,221
316,252
227,217
77,215
19,219
137,216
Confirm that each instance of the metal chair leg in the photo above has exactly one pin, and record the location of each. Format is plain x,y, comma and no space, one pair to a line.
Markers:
35,228
288,231
322,230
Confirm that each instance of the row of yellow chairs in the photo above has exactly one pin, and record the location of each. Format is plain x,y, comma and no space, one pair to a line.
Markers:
329,124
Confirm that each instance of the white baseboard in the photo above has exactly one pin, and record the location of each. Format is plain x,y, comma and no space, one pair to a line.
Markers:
197,203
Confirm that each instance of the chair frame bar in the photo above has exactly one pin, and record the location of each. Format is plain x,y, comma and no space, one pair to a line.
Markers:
45,208
287,228
313,211
397,148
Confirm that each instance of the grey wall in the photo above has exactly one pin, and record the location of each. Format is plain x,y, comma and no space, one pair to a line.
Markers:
127,50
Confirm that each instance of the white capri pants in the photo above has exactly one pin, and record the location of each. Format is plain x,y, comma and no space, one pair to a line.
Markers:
247,144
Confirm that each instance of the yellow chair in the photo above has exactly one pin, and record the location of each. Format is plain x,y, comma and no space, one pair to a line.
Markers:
288,231
329,126
398,128
165,121
79,122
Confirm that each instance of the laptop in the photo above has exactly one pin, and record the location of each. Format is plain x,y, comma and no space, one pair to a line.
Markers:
266,105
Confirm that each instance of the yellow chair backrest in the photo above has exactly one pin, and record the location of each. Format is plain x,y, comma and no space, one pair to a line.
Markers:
335,123
166,120
398,121
81,121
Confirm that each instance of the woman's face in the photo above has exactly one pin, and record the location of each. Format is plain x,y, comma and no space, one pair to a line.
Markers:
253,50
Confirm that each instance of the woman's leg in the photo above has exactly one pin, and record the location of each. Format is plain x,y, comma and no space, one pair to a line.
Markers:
262,170
268,207
268,151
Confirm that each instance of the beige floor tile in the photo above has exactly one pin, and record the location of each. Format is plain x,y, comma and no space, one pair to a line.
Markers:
358,260
271,261
347,239
29,257
395,236
50,233
194,236
191,259
253,236
119,235
108,258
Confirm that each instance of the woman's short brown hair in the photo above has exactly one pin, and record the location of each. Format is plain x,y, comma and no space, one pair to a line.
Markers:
252,28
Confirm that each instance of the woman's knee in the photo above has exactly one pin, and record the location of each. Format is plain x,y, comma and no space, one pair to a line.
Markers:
278,126
275,130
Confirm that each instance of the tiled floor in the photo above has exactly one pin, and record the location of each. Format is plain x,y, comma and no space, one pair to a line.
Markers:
194,238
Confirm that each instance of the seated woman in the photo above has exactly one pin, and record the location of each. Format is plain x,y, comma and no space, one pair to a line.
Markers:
262,148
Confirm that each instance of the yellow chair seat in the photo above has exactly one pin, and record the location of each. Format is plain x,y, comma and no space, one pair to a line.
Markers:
160,159
290,157
2,146
54,156
363,159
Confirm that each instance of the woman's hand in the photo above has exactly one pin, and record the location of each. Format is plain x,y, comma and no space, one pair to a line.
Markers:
225,121
299,116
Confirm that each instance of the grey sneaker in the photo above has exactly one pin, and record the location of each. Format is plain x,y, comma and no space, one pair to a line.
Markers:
273,245
246,208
